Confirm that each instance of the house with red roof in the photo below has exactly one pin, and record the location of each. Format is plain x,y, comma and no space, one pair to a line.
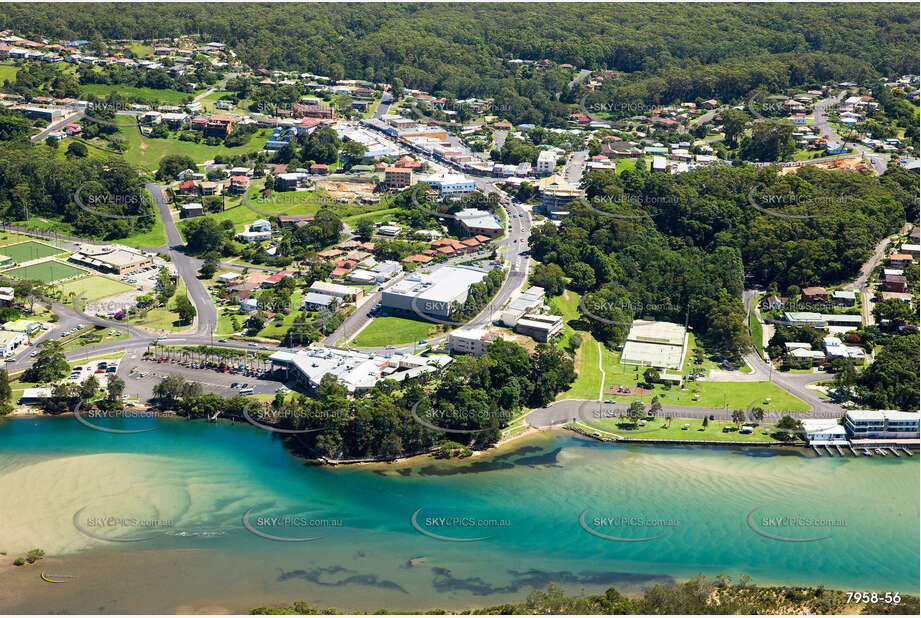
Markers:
239,184
277,277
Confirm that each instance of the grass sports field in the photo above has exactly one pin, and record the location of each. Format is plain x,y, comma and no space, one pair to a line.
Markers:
29,250
94,287
47,271
393,331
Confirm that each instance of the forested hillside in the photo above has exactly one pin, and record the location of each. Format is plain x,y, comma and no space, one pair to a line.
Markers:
671,51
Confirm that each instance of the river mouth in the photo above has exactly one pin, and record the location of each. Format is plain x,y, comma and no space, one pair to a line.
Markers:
188,509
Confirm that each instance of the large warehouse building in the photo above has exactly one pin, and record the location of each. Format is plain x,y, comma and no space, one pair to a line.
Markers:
655,344
433,294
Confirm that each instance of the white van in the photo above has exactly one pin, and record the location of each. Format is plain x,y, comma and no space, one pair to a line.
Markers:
246,391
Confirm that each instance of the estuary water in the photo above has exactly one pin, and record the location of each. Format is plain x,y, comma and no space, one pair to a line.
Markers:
221,517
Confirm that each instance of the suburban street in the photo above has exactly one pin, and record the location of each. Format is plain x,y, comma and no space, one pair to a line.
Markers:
877,161
186,266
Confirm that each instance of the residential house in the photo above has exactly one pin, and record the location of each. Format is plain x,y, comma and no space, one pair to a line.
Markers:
814,294
894,283
900,260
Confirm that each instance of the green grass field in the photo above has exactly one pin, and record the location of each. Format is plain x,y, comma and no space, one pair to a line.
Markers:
8,238
154,237
146,152
165,318
698,394
659,429
390,330
29,250
139,49
8,72
165,96
94,287
241,213
47,271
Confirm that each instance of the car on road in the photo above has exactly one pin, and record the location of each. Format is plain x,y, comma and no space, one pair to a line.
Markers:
244,385
390,347
235,385
252,345
222,341
34,354
281,389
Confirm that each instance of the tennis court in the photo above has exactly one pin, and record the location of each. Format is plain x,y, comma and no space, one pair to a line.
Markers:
28,251
47,271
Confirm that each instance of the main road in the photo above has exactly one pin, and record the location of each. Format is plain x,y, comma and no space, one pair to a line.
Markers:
186,266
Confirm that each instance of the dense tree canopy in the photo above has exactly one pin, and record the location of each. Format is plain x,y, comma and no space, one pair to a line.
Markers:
671,51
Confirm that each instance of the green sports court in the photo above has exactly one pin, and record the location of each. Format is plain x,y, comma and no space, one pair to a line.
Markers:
47,271
28,251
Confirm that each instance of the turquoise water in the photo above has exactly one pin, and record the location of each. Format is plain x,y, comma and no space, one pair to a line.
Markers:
185,487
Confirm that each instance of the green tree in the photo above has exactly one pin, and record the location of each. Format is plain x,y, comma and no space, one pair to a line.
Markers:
115,388
76,150
636,411
185,309
49,365
6,393
173,164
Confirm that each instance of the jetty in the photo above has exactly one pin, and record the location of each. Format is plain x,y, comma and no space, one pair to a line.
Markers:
867,452
840,452
894,452
853,451
880,452
817,451
907,451
830,452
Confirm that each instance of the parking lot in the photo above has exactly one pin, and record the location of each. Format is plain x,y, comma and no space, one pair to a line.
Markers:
141,375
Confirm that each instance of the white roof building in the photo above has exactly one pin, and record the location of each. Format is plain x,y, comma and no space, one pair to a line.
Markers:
357,371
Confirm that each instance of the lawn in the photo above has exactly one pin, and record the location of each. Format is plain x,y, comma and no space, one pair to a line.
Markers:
166,96
377,216
626,164
94,287
146,152
660,429
139,49
165,318
756,330
241,213
8,72
29,250
47,271
225,321
698,394
154,237
9,238
390,330
278,327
